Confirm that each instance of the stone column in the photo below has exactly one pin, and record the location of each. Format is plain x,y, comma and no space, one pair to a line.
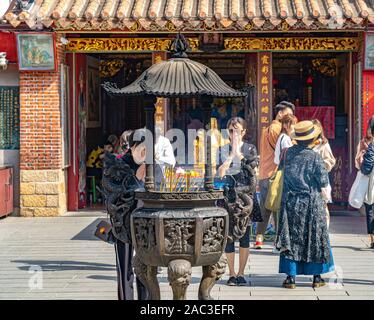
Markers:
42,183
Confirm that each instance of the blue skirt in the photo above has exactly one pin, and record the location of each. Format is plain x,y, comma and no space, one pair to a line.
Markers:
293,268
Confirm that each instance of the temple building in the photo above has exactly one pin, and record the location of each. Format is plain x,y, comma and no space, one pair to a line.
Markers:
54,113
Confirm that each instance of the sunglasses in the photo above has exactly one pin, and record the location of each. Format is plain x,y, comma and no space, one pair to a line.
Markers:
235,130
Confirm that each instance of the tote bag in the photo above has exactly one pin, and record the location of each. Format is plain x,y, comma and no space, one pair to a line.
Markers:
359,190
369,198
274,196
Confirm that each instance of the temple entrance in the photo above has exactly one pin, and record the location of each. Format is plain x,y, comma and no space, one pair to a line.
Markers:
186,114
108,117
319,84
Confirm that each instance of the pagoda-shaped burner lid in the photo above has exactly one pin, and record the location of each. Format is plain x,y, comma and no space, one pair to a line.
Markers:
177,77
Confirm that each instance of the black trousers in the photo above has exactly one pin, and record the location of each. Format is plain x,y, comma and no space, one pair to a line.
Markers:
370,218
125,274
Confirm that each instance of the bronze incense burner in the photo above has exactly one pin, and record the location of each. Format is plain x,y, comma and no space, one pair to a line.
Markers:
179,230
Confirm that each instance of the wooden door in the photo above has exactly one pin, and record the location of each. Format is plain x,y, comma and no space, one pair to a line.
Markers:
6,191
9,190
3,196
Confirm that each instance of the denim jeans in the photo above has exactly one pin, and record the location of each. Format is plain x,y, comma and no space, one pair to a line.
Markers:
261,226
243,242
370,218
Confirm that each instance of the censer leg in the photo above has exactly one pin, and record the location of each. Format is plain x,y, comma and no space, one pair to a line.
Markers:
148,277
211,274
179,275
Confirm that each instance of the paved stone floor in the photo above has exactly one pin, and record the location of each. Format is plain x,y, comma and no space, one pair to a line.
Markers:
74,265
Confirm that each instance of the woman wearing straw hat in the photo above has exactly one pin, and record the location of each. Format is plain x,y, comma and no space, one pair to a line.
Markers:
303,238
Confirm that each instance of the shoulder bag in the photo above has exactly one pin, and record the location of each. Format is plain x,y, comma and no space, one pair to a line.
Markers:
274,196
359,190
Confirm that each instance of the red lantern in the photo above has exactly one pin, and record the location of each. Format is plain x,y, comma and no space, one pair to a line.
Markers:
309,80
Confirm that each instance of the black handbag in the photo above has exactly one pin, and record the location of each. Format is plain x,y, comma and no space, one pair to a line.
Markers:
256,215
104,232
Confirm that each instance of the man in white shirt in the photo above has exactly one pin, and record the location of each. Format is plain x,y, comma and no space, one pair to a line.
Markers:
164,155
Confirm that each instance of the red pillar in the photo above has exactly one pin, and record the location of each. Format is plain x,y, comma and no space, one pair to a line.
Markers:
161,112
264,90
76,171
367,99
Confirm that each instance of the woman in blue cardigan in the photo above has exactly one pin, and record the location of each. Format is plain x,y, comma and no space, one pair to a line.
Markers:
367,168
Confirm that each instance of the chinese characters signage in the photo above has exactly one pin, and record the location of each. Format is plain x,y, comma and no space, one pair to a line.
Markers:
340,178
264,84
161,104
291,44
9,117
325,114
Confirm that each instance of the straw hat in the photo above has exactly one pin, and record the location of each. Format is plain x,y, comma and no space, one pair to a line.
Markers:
305,130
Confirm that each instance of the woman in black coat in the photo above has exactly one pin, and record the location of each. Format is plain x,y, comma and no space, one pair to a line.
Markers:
303,238
121,177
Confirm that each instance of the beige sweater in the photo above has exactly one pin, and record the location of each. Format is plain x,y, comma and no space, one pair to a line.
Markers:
326,153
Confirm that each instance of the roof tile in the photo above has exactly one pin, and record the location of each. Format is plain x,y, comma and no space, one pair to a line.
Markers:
188,14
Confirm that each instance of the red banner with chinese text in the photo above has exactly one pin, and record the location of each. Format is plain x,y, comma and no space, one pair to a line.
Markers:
325,114
340,178
264,85
367,99
161,104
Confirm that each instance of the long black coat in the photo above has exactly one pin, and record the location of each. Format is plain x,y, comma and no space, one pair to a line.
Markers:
302,232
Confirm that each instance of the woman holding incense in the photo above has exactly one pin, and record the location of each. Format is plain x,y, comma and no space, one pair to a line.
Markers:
237,168
121,177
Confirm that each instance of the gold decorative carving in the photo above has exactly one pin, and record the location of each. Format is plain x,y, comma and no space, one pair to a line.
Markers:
123,44
249,26
108,68
326,67
136,26
284,26
291,44
230,44
170,26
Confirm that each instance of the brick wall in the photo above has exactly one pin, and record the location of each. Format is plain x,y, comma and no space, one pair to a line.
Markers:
40,131
42,184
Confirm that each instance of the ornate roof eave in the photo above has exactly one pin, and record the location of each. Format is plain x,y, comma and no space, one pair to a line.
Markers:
162,15
200,27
